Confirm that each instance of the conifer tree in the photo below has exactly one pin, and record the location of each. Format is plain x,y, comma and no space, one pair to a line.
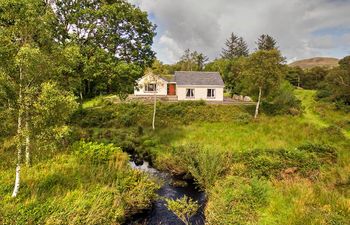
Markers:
235,47
266,42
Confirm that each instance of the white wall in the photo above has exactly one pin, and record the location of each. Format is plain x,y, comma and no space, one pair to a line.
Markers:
162,88
200,92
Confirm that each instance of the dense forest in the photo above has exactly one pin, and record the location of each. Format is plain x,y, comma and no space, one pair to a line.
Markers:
69,130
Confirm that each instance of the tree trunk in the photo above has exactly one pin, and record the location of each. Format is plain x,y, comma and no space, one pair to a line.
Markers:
154,111
19,134
27,143
81,97
258,104
17,181
298,81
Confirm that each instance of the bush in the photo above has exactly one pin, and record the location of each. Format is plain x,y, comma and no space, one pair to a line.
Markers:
282,102
96,152
95,117
131,114
205,165
134,114
323,93
324,153
242,118
184,208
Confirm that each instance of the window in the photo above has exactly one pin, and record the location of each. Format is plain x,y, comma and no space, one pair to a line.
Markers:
151,88
189,93
211,93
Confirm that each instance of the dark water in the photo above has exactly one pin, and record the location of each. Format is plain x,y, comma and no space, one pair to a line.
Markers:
159,214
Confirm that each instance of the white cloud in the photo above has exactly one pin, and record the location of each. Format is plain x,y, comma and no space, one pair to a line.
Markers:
170,48
204,25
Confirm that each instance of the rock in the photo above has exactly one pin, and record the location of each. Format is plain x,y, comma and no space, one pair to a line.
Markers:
290,170
247,99
235,97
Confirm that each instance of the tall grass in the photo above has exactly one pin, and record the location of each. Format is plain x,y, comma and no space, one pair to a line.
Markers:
85,188
267,132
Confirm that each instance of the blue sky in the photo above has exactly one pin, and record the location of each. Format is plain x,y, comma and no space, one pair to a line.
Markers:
303,28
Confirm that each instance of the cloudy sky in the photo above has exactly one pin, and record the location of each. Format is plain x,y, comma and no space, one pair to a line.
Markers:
303,28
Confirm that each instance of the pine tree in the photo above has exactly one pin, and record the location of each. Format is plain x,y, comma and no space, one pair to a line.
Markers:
235,47
266,42
242,49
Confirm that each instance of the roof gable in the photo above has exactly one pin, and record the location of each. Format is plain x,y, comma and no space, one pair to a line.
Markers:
198,78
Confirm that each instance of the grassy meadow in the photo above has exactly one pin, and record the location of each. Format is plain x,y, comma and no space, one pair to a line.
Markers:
279,169
285,182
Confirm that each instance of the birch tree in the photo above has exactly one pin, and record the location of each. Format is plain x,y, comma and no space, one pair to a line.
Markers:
263,74
155,81
26,47
33,105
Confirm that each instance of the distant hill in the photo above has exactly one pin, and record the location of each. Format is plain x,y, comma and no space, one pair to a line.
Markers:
317,61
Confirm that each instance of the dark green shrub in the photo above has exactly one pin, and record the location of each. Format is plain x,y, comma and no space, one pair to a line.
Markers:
323,93
341,105
95,117
282,102
242,118
324,153
130,114
205,165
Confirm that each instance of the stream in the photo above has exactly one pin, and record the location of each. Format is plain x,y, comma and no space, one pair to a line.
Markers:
159,213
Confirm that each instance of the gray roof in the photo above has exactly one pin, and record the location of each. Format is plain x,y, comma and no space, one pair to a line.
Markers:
198,78
168,78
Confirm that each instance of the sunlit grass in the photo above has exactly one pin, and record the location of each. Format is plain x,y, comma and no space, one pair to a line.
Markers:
65,190
322,198
308,102
323,114
267,132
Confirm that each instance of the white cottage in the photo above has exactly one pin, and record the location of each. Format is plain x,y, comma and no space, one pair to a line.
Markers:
185,85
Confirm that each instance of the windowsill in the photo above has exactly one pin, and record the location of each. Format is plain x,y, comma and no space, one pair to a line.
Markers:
189,97
211,98
150,92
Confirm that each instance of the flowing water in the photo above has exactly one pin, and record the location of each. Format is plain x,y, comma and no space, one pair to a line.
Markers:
159,214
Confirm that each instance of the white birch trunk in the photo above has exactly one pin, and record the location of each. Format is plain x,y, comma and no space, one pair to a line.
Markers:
27,150
258,104
19,144
81,97
17,181
154,111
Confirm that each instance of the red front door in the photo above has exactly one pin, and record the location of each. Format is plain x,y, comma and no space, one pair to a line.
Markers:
171,89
